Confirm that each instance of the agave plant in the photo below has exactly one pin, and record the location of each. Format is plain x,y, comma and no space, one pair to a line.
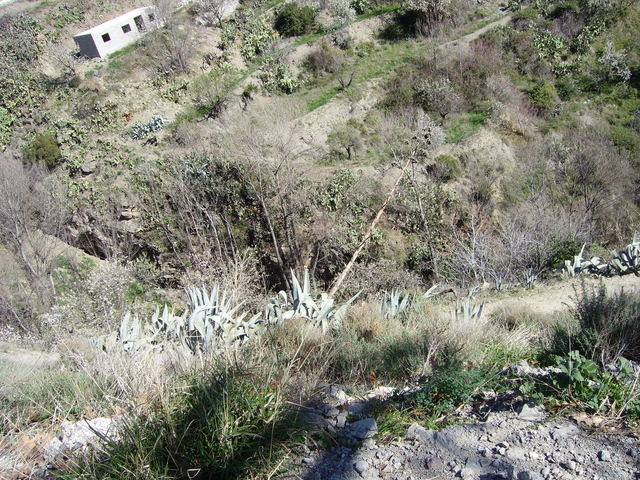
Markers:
211,322
134,334
394,303
627,261
501,285
623,262
529,279
573,268
431,292
320,311
467,310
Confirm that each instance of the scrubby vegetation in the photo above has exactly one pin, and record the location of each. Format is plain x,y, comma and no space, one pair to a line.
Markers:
347,192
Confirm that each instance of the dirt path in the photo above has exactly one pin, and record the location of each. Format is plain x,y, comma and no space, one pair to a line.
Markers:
467,39
555,297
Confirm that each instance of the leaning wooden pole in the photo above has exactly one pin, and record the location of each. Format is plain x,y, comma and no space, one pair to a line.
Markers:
338,282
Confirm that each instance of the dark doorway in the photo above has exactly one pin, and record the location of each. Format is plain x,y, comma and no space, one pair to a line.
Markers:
139,23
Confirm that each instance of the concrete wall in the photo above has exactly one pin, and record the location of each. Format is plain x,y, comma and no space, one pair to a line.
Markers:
110,36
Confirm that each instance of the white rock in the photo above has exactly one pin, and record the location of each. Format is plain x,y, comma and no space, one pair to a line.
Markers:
76,435
361,467
363,429
531,412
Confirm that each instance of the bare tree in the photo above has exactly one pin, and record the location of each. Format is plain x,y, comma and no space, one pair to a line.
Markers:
437,96
66,61
213,11
172,45
430,14
268,151
32,214
586,175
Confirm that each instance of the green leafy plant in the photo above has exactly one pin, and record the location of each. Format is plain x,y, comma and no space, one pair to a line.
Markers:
579,383
278,78
43,149
543,96
334,194
293,20
447,388
257,38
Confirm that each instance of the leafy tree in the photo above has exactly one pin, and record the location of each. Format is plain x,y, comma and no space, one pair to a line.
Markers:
347,138
543,96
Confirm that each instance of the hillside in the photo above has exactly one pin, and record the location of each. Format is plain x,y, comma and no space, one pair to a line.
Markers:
428,210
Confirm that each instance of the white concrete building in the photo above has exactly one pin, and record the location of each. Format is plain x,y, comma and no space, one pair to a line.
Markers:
118,32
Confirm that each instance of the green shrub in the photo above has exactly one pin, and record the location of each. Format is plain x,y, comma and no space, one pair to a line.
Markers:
525,15
278,78
360,6
75,81
393,31
257,38
43,149
225,424
625,138
6,126
606,326
345,140
447,168
402,26
581,384
323,60
562,249
448,387
293,20
566,88
543,96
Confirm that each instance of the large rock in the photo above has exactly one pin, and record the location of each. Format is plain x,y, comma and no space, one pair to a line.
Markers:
363,429
531,412
419,433
333,396
77,435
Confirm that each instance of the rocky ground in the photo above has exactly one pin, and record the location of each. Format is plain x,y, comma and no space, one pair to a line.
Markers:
514,440
501,437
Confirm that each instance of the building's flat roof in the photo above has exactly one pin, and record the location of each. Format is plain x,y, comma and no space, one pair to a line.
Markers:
114,22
